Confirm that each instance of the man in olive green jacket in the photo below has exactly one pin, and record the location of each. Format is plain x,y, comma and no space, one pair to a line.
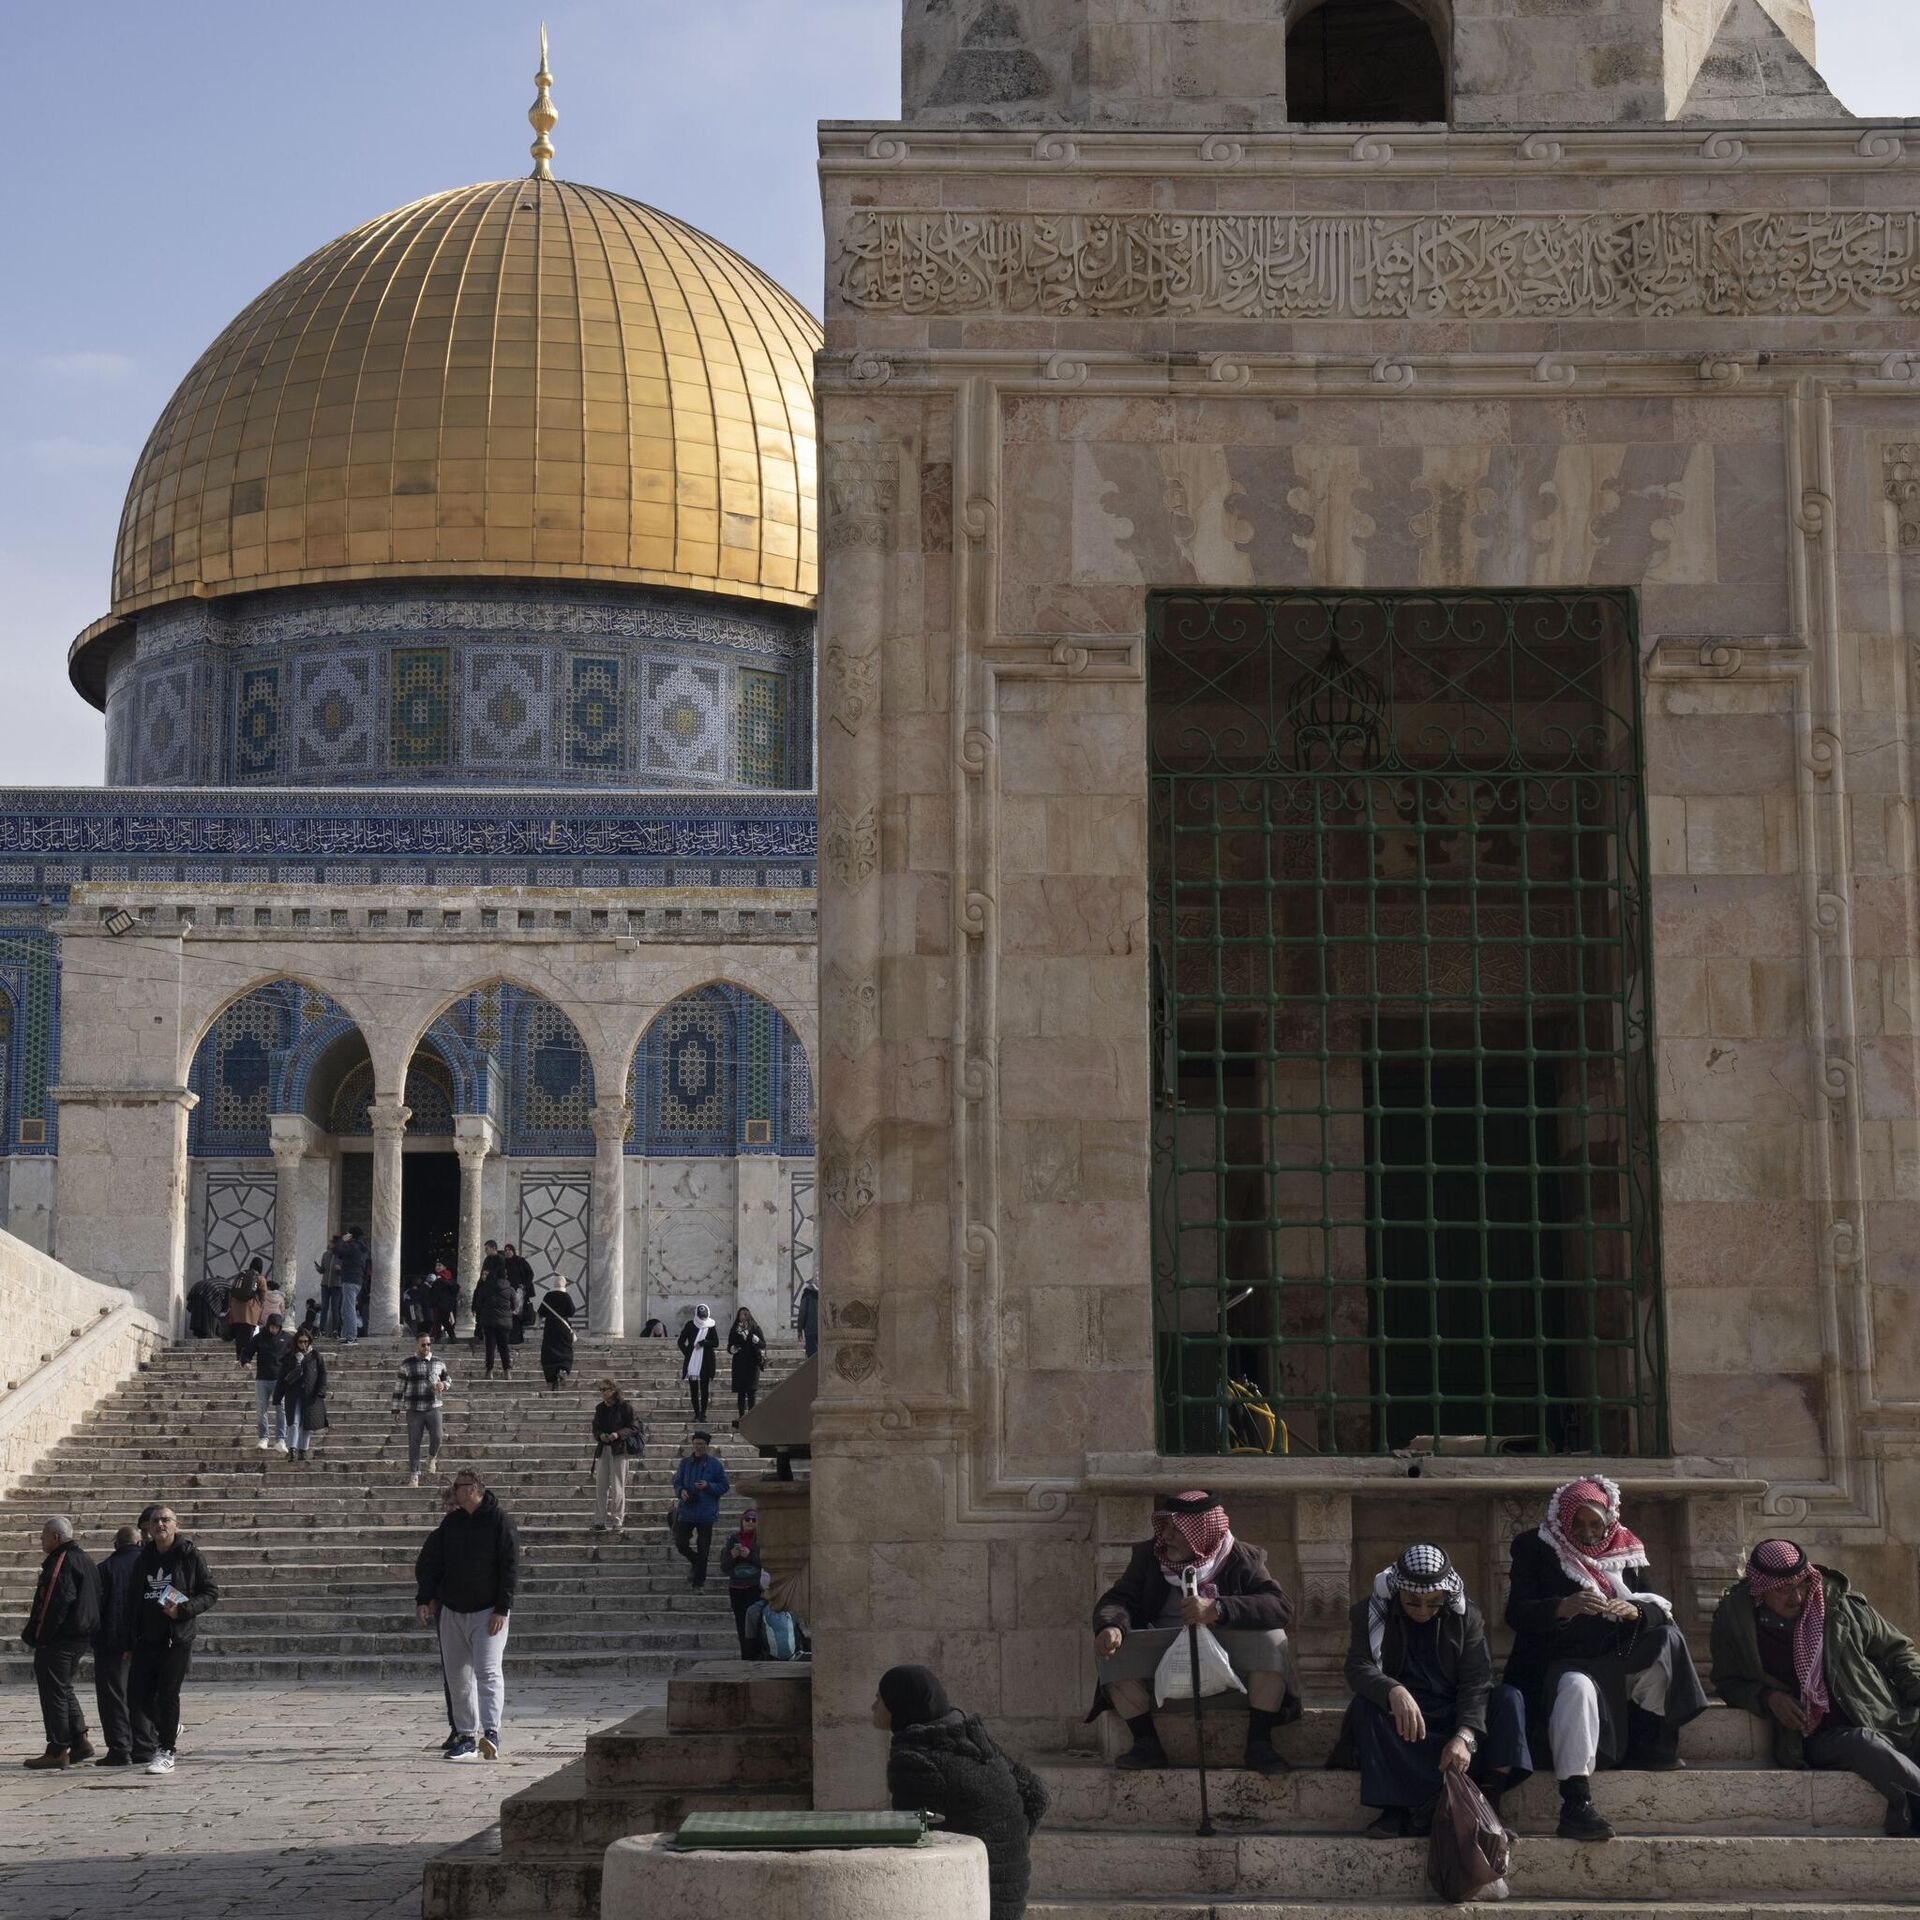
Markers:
1794,1644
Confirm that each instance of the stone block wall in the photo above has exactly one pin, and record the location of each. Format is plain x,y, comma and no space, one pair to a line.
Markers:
1061,374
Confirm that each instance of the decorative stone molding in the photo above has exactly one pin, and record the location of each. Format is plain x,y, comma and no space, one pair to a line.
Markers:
851,683
851,1004
863,480
1903,491
852,848
1467,266
850,1174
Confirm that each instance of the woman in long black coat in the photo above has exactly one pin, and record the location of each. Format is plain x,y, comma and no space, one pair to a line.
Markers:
944,1761
748,1346
556,1333
301,1391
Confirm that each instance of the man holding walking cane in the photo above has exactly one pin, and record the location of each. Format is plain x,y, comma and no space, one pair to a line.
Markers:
1145,1612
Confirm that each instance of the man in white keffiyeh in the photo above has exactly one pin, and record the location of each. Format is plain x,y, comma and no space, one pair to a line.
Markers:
1424,1701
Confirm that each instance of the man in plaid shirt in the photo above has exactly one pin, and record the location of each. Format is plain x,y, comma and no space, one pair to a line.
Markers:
422,1390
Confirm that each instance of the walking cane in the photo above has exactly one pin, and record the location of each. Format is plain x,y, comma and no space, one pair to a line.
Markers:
1190,1589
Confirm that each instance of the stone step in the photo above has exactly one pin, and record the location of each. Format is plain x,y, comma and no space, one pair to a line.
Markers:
1172,1864
391,1669
734,1694
552,1635
1713,1799
563,1814
645,1751
475,1880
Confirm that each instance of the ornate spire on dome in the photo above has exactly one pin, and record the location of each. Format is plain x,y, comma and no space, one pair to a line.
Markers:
542,116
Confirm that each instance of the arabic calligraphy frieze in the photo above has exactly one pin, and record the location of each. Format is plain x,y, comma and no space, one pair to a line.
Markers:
448,837
1650,265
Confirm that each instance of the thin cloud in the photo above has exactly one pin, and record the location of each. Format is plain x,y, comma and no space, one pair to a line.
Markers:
87,363
69,453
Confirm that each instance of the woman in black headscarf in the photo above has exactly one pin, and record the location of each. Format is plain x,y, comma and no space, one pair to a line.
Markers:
944,1762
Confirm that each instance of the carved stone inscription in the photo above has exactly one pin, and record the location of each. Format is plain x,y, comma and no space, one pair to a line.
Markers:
1286,266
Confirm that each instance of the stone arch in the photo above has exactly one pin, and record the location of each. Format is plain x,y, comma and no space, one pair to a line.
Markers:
222,1001
254,1061
530,1042
1369,60
720,1071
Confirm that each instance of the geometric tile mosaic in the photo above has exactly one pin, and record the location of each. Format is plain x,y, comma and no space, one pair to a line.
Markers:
256,722
763,730
595,732
505,707
719,1072
333,721
554,1240
166,727
419,707
683,720
549,1080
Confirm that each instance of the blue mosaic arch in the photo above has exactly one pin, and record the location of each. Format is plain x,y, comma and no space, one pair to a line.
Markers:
720,1072
429,1098
549,1077
237,1063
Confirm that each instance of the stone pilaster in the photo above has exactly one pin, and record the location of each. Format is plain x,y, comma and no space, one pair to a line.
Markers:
607,1228
389,1122
473,1140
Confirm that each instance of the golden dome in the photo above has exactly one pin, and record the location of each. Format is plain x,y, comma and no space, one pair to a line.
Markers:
526,379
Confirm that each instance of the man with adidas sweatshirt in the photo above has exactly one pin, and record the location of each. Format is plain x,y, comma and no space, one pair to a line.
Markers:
464,1581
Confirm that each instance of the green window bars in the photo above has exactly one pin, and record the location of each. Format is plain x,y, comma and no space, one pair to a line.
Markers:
1404,1191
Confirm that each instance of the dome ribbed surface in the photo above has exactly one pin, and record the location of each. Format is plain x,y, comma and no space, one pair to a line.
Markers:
527,379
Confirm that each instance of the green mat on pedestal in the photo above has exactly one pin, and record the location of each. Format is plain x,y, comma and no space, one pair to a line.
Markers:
772,1832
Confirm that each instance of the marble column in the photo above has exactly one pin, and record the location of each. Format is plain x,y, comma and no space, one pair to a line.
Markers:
389,1121
473,1140
607,1228
289,1150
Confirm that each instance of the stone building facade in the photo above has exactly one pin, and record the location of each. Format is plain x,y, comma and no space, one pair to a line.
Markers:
1368,925
454,873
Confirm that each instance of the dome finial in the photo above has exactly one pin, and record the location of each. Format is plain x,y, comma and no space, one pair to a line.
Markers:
541,116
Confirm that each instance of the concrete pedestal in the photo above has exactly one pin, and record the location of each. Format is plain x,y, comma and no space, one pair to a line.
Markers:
944,1880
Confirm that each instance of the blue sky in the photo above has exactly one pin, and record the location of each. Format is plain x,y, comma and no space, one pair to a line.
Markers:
178,157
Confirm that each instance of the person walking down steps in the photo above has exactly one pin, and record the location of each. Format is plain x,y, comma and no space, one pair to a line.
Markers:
301,1394
700,1345
464,1584
699,1484
493,1317
616,1436
748,1347
266,1349
420,1392
556,1333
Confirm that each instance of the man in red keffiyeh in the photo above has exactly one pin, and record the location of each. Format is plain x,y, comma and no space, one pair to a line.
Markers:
1145,1613
1607,1676
1794,1643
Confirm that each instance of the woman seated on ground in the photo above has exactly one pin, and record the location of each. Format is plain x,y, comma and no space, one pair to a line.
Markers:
944,1762
1424,1701
1605,1671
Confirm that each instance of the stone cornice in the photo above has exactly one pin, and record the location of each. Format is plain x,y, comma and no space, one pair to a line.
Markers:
867,148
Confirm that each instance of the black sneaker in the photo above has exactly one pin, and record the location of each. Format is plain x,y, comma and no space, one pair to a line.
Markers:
448,1744
464,1749
1145,1754
1582,1820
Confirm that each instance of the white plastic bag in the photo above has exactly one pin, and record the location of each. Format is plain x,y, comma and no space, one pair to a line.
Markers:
1173,1678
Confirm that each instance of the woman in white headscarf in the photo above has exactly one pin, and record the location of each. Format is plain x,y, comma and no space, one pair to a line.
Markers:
1424,1702
700,1345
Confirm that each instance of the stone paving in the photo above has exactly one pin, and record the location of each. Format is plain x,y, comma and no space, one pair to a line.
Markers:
320,1802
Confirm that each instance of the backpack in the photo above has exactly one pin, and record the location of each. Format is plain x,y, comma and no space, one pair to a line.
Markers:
779,1634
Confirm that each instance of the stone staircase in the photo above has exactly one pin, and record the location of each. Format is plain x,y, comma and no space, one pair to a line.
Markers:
1730,1838
732,1735
315,1563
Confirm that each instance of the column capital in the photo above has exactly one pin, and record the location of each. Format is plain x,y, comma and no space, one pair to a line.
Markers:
472,1148
288,1150
389,1117
611,1119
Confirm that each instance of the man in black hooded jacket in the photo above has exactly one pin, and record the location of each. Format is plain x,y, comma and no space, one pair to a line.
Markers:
175,1586
465,1580
61,1620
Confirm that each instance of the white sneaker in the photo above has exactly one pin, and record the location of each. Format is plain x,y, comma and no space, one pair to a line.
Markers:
279,1446
414,1481
162,1762
264,1445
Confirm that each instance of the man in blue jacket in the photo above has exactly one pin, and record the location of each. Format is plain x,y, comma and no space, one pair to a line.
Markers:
699,1482
113,1647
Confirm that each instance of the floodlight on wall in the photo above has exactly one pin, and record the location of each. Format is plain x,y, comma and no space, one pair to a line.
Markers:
119,921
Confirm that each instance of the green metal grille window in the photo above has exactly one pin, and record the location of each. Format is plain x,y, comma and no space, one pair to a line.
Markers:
1404,1186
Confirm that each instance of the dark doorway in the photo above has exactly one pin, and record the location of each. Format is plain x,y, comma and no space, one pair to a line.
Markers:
429,1211
1364,60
